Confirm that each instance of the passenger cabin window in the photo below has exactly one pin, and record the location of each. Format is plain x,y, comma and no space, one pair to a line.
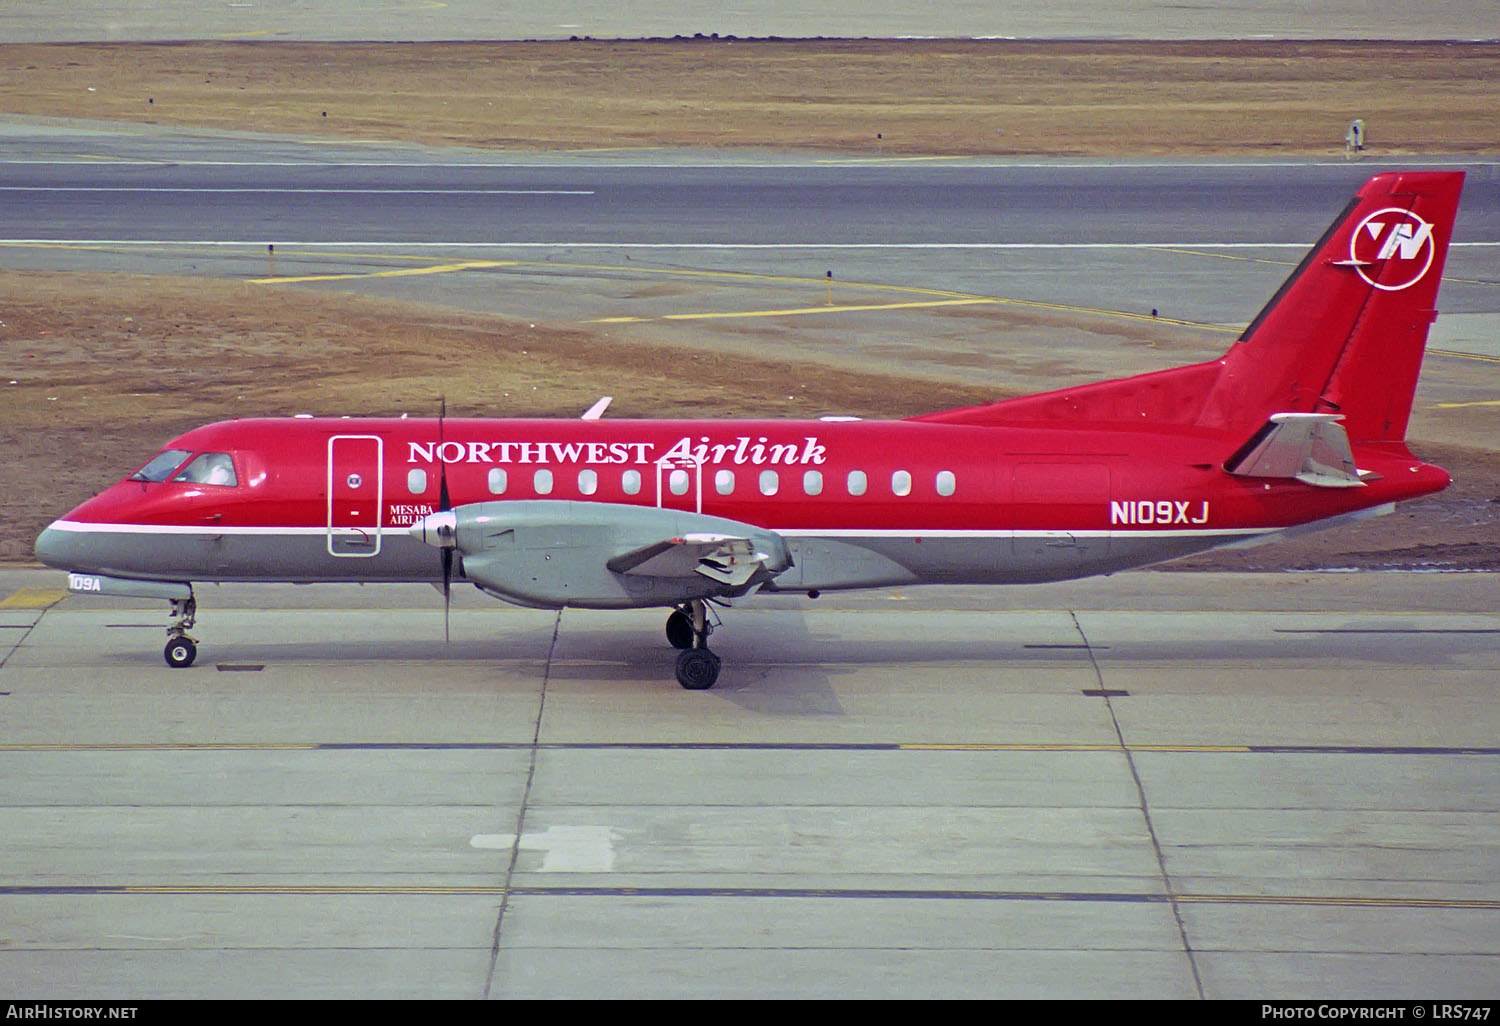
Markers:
588,482
542,481
678,482
901,483
946,483
630,482
724,481
161,466
770,482
210,468
498,480
857,482
812,482
416,481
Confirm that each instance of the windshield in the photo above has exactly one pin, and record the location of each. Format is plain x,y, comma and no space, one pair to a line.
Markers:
214,468
161,466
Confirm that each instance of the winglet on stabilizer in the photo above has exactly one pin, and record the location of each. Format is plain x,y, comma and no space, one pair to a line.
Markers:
1311,447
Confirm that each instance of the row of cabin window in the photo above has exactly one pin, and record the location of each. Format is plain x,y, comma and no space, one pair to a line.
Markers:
679,481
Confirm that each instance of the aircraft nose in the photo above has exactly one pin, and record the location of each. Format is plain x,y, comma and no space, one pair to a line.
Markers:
437,529
57,548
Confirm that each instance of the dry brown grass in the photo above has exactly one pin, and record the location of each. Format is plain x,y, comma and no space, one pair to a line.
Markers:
938,97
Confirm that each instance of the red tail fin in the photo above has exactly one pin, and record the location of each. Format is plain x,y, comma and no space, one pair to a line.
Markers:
1344,335
1347,331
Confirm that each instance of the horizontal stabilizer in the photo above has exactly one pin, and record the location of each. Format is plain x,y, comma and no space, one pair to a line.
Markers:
723,558
1311,447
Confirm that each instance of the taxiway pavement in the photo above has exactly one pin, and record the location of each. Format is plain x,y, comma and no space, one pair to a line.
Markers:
1154,785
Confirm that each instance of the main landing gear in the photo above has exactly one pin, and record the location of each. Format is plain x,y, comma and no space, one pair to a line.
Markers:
688,629
181,649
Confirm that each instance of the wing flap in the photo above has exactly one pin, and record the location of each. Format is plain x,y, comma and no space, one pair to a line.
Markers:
724,558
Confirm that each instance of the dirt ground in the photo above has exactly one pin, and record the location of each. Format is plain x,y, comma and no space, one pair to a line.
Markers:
912,97
97,370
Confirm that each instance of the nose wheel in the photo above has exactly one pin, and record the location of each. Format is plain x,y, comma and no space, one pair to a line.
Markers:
181,651
688,629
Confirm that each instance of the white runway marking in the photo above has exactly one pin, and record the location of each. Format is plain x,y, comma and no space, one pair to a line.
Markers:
568,849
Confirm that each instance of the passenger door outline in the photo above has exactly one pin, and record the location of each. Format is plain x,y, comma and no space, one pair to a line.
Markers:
354,504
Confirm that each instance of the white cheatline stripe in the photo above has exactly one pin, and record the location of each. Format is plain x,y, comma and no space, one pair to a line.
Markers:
80,527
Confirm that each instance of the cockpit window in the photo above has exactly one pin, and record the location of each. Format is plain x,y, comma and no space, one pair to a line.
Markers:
161,465
212,468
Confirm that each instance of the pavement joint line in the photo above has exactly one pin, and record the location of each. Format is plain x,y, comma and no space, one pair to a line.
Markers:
1169,889
842,893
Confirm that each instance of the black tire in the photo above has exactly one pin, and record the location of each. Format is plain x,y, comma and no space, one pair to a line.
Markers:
697,669
180,652
679,630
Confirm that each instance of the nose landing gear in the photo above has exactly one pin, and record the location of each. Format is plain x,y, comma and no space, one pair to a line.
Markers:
181,649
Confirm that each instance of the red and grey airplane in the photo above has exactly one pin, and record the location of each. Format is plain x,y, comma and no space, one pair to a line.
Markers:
1301,424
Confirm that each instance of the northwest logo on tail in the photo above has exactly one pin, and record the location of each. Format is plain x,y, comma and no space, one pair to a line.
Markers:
1392,234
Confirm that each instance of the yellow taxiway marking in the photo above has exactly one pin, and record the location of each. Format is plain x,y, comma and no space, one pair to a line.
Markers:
1465,356
102,159
1179,251
795,312
33,598
949,298
945,297
879,159
400,272
1460,406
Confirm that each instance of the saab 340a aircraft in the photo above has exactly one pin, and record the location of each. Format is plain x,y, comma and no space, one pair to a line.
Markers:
1302,423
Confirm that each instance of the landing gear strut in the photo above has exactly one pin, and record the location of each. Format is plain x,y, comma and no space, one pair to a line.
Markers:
181,649
688,629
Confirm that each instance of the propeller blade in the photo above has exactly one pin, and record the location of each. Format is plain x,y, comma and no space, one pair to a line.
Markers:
447,591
